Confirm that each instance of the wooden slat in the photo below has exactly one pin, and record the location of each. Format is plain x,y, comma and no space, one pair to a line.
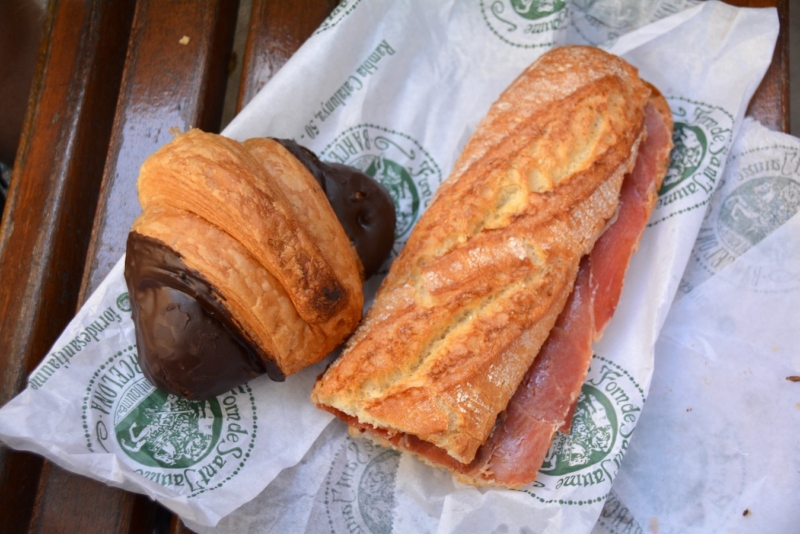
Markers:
175,75
770,104
277,29
48,217
54,190
167,85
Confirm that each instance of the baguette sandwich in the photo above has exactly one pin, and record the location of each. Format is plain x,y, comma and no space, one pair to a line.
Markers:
478,342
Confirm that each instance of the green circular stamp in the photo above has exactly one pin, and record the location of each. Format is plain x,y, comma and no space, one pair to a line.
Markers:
701,137
583,462
525,23
602,22
760,193
189,446
689,150
158,429
358,492
591,438
376,492
755,209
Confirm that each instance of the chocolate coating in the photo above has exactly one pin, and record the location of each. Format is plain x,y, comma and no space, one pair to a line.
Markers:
363,206
188,343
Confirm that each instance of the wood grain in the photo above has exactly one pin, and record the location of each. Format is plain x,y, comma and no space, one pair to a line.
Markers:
770,103
72,197
49,214
169,82
167,86
277,30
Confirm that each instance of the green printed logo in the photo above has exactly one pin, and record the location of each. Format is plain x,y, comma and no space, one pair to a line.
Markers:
344,8
376,492
601,21
604,21
525,23
701,138
358,493
688,152
591,438
758,195
754,209
162,430
398,162
124,302
587,459
190,446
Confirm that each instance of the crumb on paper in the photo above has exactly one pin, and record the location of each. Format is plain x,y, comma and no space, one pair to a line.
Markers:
653,526
184,40
688,409
775,348
793,378
746,512
174,130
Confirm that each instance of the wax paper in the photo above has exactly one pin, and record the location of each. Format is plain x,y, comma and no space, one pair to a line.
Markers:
396,89
716,449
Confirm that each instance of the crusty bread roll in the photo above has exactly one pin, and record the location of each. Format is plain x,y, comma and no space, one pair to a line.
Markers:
488,268
246,230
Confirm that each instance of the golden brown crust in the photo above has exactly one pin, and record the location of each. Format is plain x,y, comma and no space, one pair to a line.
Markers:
214,202
308,203
489,266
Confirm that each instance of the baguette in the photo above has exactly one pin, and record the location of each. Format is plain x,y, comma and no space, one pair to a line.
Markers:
489,267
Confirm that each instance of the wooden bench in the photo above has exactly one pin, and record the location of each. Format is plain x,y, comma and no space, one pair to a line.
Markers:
113,77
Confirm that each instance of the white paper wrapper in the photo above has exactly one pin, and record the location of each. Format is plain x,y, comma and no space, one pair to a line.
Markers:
716,449
396,88
759,193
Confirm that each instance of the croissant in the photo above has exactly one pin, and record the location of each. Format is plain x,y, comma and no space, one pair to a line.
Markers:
239,265
480,284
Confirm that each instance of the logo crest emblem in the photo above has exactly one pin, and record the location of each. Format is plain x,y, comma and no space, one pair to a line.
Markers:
124,302
525,23
602,22
702,137
190,446
591,437
358,492
163,430
755,209
760,193
588,457
689,150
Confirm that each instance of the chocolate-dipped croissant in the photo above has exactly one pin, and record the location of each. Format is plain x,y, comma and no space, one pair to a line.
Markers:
238,264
